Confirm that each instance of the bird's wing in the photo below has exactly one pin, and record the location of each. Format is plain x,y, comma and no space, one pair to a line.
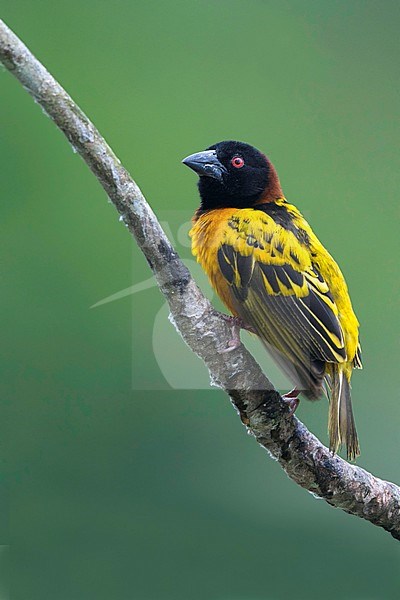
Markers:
357,361
276,288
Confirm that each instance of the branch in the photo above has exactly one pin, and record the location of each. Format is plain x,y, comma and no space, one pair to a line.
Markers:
206,332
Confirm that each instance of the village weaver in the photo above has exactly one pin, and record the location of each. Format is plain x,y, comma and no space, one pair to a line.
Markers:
277,279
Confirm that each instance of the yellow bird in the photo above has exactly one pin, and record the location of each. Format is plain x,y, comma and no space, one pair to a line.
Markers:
277,279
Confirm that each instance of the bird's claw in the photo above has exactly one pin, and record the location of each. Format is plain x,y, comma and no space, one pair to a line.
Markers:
292,400
236,324
234,342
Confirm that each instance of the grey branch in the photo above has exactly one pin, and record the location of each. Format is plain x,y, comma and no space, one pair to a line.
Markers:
206,332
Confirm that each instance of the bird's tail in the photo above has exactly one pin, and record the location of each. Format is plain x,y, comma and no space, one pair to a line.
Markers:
341,425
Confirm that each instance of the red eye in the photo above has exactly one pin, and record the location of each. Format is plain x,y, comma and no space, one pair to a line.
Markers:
237,162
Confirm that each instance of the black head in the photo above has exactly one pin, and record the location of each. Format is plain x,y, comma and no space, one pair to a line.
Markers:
232,174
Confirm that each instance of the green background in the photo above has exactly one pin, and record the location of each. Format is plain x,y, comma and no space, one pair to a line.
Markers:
113,484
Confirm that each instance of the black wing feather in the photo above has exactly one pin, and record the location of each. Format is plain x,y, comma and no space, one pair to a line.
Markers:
296,321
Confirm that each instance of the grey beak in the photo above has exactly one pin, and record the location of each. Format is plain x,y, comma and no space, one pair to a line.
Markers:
206,164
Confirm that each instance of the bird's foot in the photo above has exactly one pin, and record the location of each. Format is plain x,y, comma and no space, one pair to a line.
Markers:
292,400
236,324
234,342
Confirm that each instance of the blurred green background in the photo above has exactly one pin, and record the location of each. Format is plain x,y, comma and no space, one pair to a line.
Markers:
113,484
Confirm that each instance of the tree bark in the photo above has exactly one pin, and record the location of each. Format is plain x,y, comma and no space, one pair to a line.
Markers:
261,408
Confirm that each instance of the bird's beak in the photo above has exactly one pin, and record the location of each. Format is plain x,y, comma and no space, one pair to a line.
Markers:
206,164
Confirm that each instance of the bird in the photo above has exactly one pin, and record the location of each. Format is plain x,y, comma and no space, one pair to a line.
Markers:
277,279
